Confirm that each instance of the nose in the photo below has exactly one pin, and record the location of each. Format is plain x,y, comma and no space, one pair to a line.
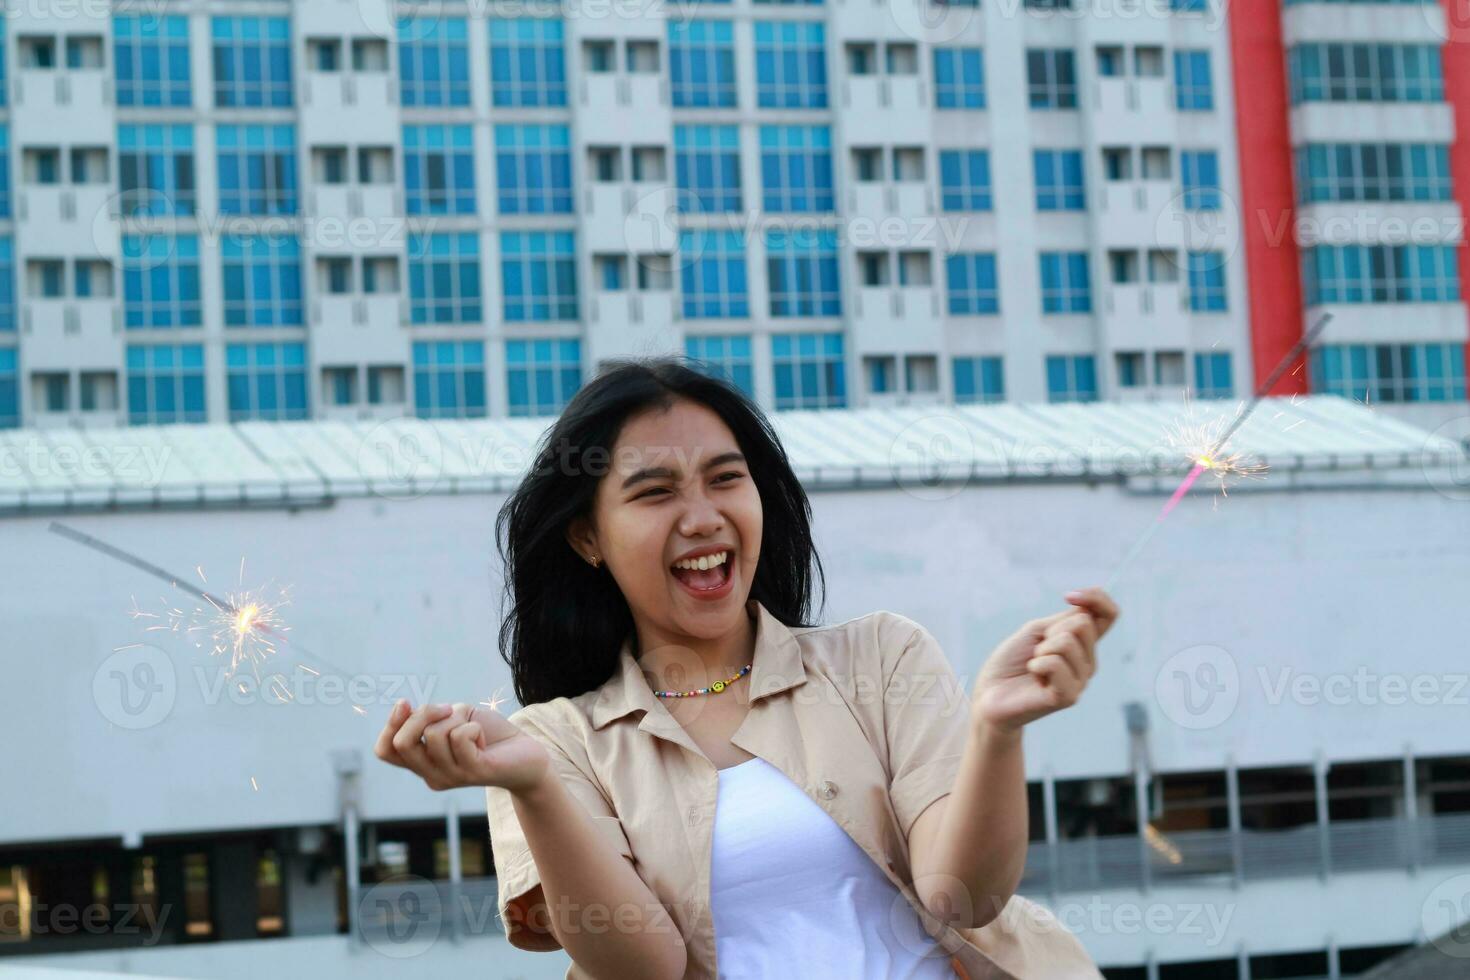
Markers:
701,518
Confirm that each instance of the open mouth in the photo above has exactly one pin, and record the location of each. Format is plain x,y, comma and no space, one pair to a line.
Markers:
707,575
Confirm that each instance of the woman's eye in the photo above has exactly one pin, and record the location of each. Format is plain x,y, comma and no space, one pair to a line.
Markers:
649,491
726,477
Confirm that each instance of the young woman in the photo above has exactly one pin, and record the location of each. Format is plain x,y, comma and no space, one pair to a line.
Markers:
702,784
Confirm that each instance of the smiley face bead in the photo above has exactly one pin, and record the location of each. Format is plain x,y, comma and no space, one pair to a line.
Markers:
717,686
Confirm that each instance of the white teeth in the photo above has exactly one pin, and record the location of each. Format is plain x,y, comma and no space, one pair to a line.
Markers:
705,562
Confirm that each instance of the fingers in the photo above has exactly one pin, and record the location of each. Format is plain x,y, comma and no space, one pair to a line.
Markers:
1099,604
383,747
408,742
436,737
1084,628
1056,664
465,743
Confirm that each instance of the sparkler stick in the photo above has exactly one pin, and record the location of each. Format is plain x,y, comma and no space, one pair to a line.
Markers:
251,625
1212,458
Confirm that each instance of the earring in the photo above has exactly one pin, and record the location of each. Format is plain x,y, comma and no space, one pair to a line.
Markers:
596,561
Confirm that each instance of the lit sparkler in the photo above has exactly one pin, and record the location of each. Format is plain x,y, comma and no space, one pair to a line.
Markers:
246,625
1208,451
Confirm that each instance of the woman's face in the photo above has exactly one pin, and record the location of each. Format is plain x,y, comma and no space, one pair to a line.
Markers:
678,494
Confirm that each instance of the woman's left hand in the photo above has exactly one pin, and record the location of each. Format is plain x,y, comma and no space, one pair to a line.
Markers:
1043,666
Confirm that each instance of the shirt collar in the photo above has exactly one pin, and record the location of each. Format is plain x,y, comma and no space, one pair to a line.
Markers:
776,666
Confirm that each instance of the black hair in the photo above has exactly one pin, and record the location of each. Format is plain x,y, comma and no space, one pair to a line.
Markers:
565,620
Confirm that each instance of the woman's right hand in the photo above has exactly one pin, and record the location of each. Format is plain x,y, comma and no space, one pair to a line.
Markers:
460,745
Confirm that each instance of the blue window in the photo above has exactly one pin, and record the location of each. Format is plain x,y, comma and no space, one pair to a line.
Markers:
1189,6
257,169
266,381
801,272
959,78
1199,173
449,379
796,168
707,167
160,281
527,63
252,62
809,371
979,380
539,272
1206,282
724,356
702,64
7,285
444,278
541,375
1389,372
1051,78
1059,181
262,280
165,383
1373,172
155,169
1065,283
9,388
1212,375
790,65
1341,72
1071,378
972,284
964,178
151,56
533,169
1193,88
4,170
712,270
439,169
433,61
1380,274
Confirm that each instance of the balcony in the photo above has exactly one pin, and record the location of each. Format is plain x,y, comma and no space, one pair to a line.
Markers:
886,109
351,107
72,334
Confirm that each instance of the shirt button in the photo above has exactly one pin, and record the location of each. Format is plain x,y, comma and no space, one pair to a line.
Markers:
829,789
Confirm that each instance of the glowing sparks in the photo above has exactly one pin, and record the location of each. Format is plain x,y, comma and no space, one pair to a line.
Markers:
495,700
1199,442
254,785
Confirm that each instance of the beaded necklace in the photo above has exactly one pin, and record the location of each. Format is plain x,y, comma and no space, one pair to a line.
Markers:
714,688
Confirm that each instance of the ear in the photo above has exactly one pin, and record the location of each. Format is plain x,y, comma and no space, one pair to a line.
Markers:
583,538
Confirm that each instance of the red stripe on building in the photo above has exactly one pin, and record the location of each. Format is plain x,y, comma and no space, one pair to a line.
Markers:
1267,199
1456,58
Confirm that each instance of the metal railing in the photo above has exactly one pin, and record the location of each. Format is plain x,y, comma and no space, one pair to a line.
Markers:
1249,855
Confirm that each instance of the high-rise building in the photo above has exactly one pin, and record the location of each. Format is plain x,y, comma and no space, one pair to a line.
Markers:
281,210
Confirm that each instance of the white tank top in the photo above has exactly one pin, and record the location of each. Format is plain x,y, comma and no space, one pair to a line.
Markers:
793,896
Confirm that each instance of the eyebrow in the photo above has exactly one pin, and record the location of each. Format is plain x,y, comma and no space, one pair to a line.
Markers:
663,472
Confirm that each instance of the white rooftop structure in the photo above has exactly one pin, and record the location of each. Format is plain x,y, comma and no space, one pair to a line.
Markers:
305,463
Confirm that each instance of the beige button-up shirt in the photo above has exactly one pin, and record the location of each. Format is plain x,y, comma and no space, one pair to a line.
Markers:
868,717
